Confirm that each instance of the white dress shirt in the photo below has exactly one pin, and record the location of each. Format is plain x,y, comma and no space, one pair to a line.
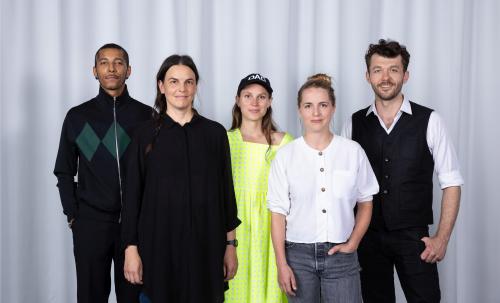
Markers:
317,190
445,158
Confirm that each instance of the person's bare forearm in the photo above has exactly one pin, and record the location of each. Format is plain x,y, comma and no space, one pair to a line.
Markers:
286,278
435,246
363,218
450,204
278,222
231,235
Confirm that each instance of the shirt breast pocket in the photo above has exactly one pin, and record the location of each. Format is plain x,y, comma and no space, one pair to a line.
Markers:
344,184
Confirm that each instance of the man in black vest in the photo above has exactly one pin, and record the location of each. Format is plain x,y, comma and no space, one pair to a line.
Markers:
405,143
94,140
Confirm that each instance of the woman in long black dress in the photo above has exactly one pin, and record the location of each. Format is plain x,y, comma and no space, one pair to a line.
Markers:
179,212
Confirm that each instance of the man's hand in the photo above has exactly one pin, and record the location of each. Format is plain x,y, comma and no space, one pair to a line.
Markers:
286,280
230,262
435,249
132,267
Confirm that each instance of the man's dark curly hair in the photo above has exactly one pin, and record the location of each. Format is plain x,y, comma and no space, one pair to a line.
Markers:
389,49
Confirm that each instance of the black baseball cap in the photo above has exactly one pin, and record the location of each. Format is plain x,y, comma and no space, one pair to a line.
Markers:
255,79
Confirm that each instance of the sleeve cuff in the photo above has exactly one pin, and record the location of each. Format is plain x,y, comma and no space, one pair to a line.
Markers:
453,178
126,244
365,199
232,225
278,210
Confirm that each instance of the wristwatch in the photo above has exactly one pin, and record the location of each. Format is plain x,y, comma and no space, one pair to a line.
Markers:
232,242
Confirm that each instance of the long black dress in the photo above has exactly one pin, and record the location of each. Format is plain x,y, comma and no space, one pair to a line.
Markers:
179,204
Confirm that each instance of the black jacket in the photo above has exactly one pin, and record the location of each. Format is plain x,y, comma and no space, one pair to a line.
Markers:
179,195
89,143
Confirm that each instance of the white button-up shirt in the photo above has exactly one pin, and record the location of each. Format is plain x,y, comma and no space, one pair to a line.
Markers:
445,158
317,190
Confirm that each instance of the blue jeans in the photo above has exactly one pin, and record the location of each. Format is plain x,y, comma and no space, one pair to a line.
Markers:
321,277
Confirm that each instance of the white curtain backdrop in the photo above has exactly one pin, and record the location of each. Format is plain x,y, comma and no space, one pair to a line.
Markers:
46,59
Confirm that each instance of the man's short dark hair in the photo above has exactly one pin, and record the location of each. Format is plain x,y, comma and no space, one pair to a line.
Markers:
388,49
111,45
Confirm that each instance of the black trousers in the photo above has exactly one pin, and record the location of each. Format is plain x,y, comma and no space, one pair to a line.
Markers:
95,245
381,250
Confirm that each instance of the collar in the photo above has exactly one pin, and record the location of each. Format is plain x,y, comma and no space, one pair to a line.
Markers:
405,108
169,122
109,100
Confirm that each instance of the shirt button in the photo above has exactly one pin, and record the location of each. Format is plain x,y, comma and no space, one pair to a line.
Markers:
386,176
386,160
320,153
322,169
324,211
323,189
385,192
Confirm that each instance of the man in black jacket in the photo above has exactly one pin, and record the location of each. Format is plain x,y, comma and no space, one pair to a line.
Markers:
405,143
93,145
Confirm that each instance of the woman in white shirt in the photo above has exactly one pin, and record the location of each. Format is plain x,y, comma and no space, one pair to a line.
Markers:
314,184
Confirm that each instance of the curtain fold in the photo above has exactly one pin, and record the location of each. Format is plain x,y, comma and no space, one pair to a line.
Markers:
46,59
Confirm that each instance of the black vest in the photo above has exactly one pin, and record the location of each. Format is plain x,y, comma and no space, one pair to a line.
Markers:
403,165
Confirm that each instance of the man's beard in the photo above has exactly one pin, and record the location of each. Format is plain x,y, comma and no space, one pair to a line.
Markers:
384,96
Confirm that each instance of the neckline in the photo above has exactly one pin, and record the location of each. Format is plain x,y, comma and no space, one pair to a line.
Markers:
328,147
169,122
110,99
260,144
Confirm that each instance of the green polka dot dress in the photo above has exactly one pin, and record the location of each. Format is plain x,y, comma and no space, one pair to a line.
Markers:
256,279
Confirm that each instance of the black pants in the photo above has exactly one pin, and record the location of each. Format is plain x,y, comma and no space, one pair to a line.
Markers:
380,251
95,245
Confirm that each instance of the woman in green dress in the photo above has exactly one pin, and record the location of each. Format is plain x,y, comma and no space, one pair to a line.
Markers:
254,140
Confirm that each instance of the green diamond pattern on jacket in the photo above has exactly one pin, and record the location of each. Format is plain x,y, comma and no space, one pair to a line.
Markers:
109,139
88,141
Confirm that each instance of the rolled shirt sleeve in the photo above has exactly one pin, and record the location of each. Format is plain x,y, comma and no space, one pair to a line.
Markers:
446,163
278,200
